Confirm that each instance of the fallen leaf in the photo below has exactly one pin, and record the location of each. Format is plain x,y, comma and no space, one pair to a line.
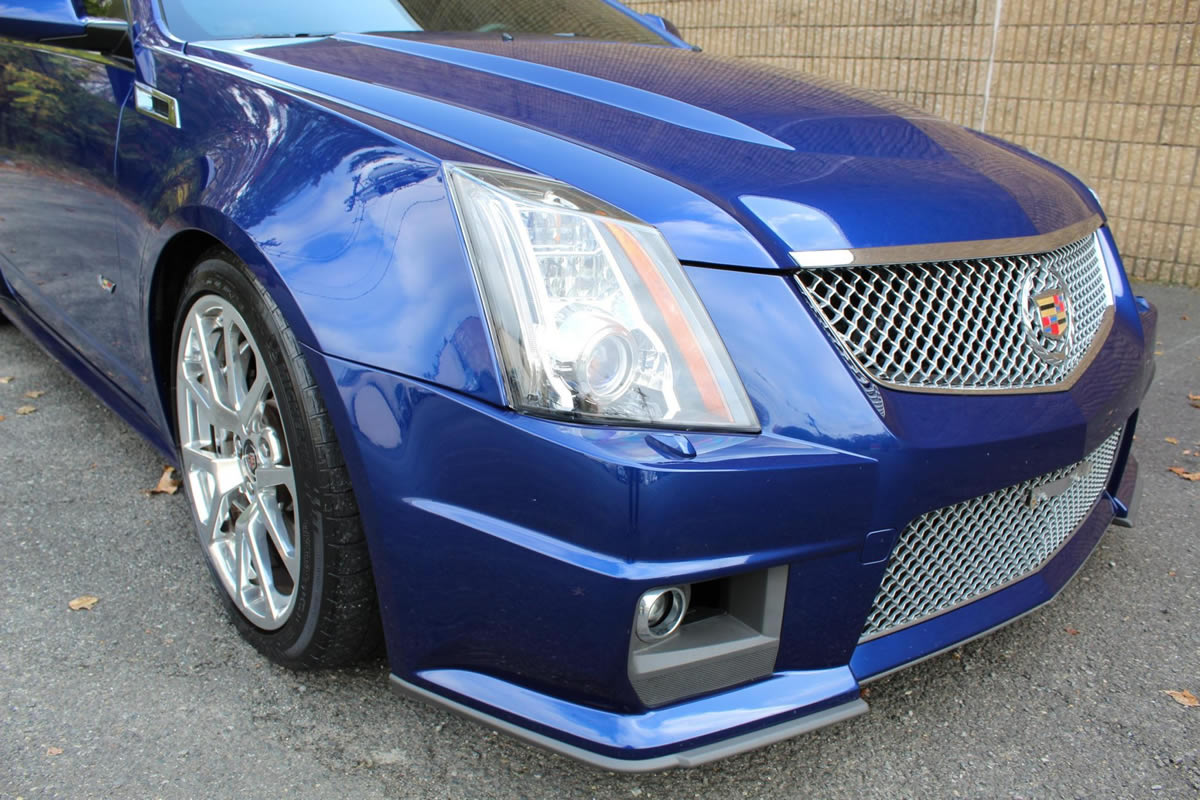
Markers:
1183,473
25,410
1187,452
1158,352
166,483
1171,440
1184,698
1184,317
7,379
1071,631
35,394
1,418
54,751
1193,396
83,603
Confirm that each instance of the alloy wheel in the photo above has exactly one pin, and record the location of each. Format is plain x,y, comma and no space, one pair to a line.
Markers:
236,462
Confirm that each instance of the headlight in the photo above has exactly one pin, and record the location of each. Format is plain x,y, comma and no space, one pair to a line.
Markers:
592,315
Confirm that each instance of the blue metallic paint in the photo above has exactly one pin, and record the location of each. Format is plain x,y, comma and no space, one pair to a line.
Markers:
580,555
67,188
318,164
322,226
887,174
38,19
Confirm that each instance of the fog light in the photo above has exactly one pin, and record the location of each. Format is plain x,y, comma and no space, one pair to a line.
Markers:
659,612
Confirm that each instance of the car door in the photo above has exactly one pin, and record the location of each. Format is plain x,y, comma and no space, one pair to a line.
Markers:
60,111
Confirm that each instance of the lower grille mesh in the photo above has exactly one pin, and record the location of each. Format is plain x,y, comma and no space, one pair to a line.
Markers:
955,554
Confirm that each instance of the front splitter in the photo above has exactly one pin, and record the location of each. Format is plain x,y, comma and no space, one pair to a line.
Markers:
711,746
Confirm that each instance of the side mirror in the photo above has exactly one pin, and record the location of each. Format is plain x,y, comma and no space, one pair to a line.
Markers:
57,22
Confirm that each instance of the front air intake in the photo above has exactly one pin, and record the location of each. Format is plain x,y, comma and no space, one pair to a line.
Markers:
959,553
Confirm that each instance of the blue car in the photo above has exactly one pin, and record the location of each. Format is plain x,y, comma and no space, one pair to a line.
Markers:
642,404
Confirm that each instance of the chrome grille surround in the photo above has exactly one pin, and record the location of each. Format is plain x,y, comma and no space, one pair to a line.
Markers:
956,554
965,325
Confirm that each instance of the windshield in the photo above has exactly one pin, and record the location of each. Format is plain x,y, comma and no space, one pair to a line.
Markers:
197,20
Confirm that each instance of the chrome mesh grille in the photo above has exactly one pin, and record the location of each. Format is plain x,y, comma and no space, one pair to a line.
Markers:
955,554
964,325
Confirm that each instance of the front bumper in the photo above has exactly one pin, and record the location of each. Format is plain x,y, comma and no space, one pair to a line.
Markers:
509,551
781,706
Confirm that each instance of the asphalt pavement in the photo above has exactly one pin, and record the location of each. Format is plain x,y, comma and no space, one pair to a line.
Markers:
152,694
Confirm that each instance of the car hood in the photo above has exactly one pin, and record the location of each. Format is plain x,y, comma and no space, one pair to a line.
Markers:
737,163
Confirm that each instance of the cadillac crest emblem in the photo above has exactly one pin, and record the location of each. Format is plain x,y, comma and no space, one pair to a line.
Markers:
1048,315
1052,313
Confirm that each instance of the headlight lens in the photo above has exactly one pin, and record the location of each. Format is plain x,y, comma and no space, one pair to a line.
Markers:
592,314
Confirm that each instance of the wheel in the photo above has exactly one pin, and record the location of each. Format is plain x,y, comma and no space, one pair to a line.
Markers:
265,478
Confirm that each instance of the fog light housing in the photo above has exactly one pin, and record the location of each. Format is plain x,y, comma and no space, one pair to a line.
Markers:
659,612
727,634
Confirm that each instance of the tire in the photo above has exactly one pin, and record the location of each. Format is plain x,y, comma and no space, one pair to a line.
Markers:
265,478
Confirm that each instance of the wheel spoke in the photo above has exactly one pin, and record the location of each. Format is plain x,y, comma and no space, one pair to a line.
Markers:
209,410
255,537
249,405
272,517
218,513
221,415
211,371
224,471
242,549
277,475
200,395
235,376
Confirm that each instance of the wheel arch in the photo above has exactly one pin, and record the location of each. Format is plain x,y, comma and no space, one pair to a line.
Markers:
171,257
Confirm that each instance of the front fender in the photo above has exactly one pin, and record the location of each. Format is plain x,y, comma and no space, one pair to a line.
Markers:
350,230
215,225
